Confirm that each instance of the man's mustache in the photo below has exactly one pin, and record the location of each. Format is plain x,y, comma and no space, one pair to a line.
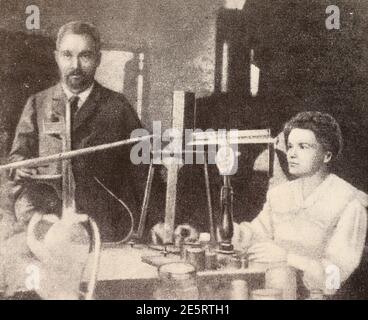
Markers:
76,73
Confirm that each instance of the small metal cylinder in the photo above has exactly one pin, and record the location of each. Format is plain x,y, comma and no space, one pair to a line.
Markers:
244,263
196,257
284,278
184,249
239,290
211,260
235,262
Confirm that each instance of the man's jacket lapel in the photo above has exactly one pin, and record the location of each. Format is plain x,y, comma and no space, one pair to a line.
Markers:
59,101
88,108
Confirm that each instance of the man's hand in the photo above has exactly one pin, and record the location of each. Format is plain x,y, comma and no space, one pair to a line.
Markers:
24,174
183,232
267,252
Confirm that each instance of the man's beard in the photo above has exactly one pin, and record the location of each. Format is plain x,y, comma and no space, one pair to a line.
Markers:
78,80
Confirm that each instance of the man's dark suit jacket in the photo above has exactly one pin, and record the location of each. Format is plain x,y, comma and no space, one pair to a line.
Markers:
105,117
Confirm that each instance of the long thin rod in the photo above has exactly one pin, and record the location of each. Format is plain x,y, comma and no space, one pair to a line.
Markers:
213,239
70,154
146,199
68,183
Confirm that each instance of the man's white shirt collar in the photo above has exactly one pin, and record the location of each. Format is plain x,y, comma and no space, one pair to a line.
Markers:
83,96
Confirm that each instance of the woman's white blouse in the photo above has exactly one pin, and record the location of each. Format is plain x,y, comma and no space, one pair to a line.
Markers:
322,232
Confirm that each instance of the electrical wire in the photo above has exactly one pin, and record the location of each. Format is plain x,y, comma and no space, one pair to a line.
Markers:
125,206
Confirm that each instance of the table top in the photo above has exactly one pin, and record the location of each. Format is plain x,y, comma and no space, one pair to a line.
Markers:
123,262
121,268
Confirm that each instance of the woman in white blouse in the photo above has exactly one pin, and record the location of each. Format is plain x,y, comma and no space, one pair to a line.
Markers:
317,222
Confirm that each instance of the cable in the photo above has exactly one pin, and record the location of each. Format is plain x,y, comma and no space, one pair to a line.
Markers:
125,206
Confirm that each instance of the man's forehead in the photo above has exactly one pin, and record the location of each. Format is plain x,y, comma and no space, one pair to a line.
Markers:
302,135
80,42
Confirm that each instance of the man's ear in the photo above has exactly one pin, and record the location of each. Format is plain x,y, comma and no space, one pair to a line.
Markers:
98,58
328,157
56,55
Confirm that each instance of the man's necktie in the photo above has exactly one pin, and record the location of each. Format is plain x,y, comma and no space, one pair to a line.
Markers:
73,101
73,105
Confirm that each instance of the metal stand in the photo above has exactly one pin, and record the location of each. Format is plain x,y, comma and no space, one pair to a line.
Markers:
137,236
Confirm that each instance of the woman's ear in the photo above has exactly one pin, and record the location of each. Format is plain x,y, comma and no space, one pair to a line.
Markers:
328,157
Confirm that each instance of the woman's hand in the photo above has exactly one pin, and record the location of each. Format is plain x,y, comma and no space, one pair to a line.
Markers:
267,252
242,237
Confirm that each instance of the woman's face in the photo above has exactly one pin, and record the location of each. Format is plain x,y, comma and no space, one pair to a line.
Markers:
305,154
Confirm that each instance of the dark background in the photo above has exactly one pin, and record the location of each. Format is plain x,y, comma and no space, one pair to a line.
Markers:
303,66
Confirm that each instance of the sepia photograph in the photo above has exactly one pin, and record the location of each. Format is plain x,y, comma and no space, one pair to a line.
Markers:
183,150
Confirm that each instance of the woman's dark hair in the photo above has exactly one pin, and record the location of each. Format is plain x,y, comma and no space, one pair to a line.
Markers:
324,126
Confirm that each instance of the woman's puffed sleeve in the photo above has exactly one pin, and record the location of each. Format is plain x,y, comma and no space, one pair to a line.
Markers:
342,254
248,233
345,247
262,225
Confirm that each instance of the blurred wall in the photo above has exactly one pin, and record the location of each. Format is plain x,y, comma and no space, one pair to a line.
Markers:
178,35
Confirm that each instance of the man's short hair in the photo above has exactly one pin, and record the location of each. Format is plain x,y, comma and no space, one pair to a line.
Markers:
79,27
324,126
